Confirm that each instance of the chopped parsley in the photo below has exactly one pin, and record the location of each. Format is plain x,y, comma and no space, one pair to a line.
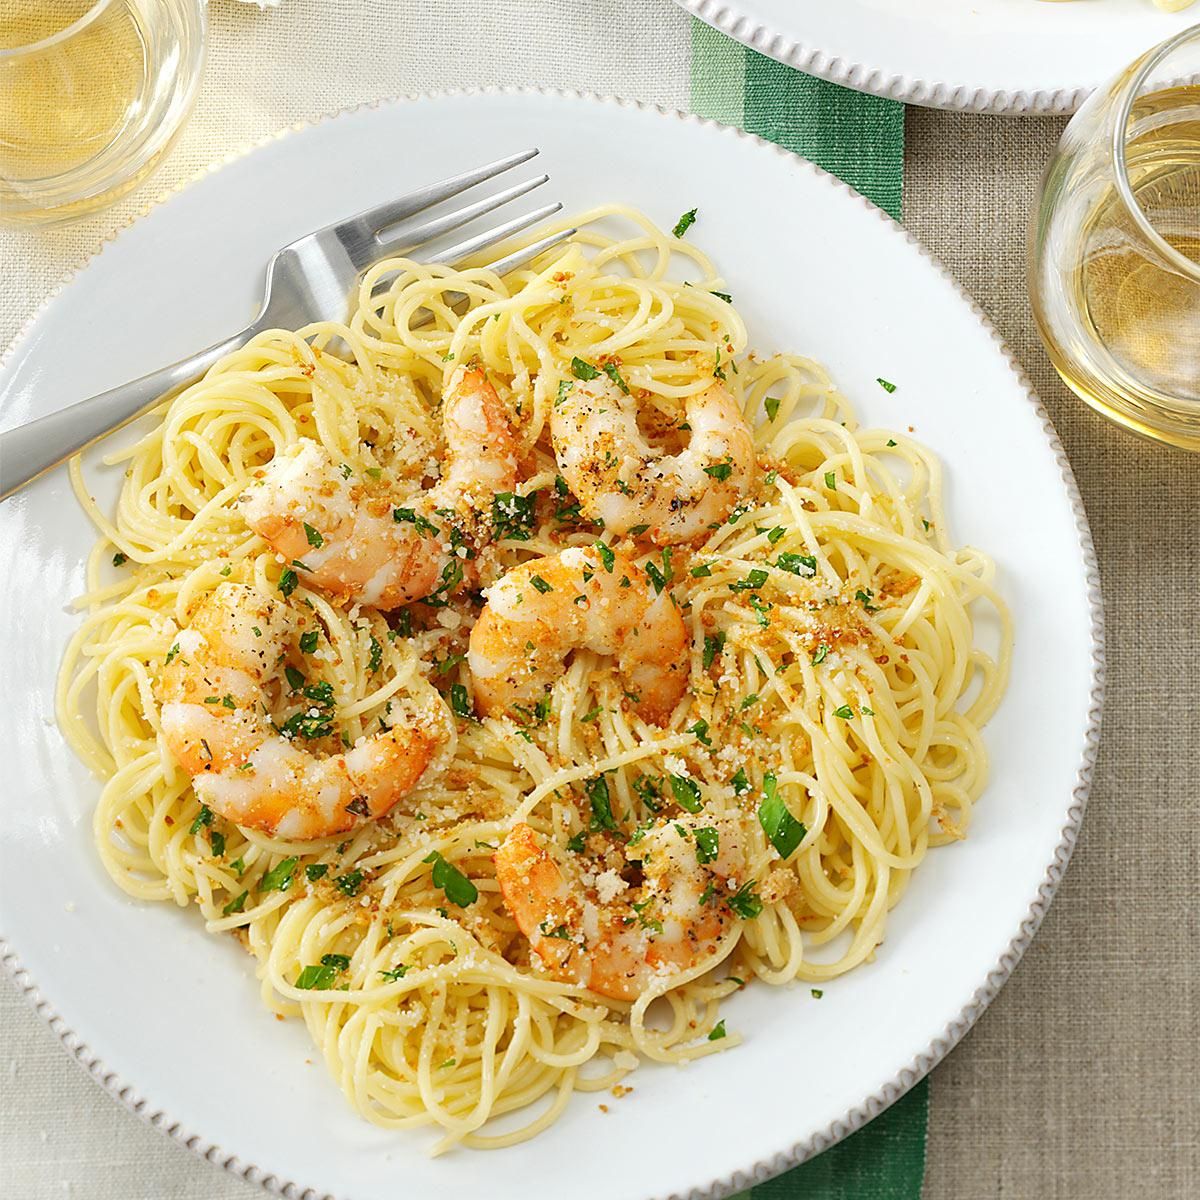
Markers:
714,643
700,729
718,1031
308,642
723,296
375,658
610,369
583,370
831,481
649,792
460,702
443,666
395,973
761,608
414,518
279,878
771,404
887,385
816,993
753,581
295,678
685,223
774,535
349,883
314,538
804,565
203,817
844,711
784,832
577,842
541,585
607,557
513,516
452,576
457,887
564,390
601,802
701,572
745,903
864,596
236,905
656,577
821,654
119,559
720,471
316,979
740,784
287,581
708,845
687,793
315,871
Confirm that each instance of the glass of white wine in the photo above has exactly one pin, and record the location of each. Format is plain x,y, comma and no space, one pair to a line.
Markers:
1114,248
93,94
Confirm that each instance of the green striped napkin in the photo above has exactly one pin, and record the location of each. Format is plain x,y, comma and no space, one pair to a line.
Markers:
860,139
857,137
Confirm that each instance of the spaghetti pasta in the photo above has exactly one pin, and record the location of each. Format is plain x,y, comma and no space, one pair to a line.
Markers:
837,682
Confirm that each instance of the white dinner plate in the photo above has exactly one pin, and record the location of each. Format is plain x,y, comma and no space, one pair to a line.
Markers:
169,1018
1000,56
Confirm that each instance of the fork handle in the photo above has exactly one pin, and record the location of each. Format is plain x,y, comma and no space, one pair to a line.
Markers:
31,449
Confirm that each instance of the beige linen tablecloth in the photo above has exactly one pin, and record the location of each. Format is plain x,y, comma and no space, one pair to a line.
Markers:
1083,1078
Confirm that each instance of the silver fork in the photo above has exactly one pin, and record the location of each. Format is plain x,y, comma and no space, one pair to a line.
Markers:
308,280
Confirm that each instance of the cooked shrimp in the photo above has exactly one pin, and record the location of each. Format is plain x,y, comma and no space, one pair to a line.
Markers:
215,724
625,483
579,599
349,536
614,938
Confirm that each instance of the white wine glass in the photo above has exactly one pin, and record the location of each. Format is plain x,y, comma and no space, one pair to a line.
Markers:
1114,248
93,93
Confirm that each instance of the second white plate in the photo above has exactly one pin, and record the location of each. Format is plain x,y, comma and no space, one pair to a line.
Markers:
1000,56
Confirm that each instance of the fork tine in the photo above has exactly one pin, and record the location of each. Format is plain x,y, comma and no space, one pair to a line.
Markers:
510,262
410,235
491,237
394,211
518,258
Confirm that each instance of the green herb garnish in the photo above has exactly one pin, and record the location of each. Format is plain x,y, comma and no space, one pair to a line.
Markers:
601,802
583,370
279,878
687,793
782,829
457,887
685,223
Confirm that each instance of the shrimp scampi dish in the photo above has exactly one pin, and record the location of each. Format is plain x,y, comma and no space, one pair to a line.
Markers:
519,682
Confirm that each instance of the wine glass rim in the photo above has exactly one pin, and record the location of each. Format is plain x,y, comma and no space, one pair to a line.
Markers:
1120,172
63,35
